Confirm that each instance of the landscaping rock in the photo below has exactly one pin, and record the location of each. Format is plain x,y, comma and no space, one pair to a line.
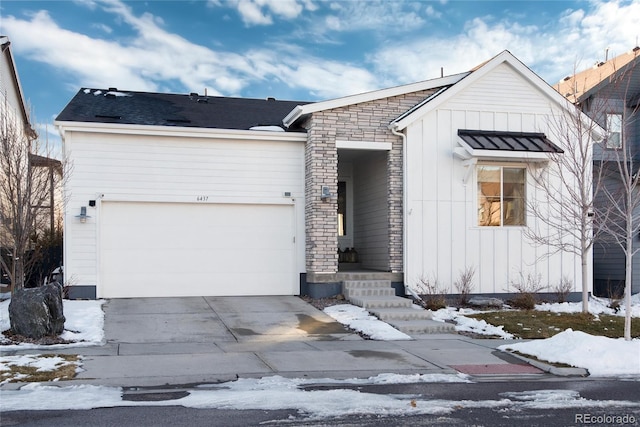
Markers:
37,312
485,302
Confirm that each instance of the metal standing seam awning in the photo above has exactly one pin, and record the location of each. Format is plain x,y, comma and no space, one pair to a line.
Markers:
529,142
505,146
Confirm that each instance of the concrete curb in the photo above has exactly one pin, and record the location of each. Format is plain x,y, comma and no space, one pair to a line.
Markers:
554,370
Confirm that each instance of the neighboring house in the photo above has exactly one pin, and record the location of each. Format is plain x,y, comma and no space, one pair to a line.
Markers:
609,92
199,195
11,96
14,110
12,107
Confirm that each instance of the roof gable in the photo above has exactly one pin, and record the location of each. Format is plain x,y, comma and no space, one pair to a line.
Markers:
479,72
5,47
304,110
583,84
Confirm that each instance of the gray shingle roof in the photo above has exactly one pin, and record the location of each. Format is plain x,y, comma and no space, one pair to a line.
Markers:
164,109
508,141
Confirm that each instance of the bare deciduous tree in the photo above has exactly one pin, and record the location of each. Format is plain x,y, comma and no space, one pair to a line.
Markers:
26,185
565,207
618,209
621,169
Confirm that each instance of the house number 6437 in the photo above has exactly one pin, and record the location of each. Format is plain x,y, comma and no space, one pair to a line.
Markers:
202,198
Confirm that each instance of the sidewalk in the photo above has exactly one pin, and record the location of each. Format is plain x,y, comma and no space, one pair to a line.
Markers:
160,342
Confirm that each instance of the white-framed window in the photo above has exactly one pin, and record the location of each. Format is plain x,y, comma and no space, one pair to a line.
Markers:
614,131
501,195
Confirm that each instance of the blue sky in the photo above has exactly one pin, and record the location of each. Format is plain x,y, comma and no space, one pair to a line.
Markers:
294,49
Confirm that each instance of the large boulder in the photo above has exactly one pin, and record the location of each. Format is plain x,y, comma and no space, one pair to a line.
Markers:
37,312
485,302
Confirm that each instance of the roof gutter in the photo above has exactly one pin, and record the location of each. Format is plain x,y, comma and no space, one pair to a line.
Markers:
294,115
176,131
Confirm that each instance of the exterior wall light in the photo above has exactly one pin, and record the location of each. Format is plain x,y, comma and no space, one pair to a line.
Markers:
83,215
325,193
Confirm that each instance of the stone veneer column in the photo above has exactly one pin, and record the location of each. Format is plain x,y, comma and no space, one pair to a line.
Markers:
321,169
367,121
395,200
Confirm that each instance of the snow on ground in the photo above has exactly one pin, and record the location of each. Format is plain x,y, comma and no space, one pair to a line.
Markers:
596,306
42,364
84,325
468,324
273,393
359,319
601,356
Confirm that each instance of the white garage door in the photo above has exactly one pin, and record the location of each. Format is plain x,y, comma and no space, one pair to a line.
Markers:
178,249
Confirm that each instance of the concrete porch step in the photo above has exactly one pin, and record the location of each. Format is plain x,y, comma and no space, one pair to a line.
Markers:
369,292
379,298
381,302
367,284
401,314
415,327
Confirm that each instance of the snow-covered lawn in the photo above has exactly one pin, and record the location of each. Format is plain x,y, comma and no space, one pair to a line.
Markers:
601,356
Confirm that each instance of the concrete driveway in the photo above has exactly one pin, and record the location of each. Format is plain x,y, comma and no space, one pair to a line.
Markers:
173,341
142,322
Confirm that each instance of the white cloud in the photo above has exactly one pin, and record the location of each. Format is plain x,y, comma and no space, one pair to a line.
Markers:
550,50
384,16
147,61
102,27
322,78
262,12
252,13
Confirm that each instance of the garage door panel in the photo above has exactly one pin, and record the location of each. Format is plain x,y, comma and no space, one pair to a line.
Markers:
194,249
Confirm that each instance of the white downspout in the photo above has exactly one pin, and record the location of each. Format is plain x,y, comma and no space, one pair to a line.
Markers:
405,206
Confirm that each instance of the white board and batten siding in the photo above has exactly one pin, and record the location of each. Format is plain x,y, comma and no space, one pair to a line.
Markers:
442,233
185,215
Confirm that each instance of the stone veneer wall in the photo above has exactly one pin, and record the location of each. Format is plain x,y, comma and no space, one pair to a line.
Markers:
367,121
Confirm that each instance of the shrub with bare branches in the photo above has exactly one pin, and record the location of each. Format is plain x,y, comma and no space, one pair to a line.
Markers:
563,288
464,284
527,286
433,295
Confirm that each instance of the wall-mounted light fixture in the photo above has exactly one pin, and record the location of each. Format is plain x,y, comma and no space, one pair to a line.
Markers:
83,215
325,193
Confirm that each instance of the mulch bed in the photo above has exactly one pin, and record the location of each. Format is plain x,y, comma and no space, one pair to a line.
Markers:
18,339
322,303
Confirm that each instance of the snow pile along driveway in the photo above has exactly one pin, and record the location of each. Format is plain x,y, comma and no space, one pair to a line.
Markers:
359,319
602,356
